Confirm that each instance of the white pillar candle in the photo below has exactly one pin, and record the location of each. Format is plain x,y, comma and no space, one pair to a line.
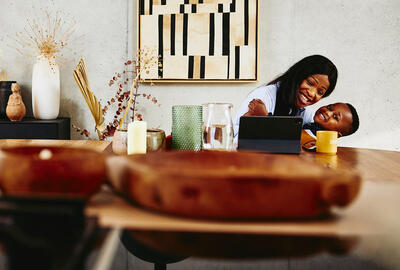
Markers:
137,137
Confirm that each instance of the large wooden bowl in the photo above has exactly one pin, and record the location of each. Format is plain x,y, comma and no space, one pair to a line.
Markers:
232,185
51,171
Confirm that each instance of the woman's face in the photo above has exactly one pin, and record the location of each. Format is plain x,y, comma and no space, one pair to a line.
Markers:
312,89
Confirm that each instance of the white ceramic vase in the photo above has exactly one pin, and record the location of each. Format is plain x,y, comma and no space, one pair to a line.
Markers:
45,89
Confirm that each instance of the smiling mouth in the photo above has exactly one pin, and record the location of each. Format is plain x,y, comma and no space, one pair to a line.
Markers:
323,117
303,99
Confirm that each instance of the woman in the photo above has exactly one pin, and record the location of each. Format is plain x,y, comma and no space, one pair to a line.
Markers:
302,85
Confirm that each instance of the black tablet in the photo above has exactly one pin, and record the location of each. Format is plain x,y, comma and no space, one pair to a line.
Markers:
272,134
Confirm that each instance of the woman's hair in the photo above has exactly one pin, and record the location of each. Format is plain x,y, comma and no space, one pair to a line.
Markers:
290,81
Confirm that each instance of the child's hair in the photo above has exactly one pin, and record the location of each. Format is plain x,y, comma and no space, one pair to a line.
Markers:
290,81
356,121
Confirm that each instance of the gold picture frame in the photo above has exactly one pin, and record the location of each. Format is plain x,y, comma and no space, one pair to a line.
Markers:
200,40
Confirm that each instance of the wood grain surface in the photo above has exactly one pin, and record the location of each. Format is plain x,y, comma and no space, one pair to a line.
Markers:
373,165
67,168
95,145
51,171
363,218
373,212
215,184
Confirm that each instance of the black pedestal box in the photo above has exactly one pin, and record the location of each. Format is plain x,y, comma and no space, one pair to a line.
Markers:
30,128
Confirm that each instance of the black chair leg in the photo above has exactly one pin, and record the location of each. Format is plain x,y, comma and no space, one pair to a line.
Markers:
141,251
160,266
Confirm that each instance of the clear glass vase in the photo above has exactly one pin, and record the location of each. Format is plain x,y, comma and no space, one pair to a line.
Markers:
217,127
155,141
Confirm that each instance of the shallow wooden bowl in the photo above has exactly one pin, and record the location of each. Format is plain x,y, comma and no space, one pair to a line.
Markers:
232,185
51,171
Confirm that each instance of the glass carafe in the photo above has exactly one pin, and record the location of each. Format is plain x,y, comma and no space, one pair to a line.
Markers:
217,126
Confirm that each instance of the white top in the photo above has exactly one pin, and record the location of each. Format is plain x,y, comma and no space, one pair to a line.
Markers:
266,94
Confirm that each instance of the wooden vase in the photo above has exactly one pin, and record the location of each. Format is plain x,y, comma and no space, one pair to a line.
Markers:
15,107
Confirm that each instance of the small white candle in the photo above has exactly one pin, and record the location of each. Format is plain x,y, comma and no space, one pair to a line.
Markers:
137,137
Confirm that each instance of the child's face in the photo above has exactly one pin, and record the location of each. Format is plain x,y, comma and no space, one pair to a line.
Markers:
336,117
312,89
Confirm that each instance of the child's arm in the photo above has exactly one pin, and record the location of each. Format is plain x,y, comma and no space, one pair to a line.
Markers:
307,141
256,108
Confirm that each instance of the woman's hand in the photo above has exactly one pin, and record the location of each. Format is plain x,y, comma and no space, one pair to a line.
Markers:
257,108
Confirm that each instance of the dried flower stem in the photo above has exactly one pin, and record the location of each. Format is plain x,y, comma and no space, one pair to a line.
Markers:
145,60
130,101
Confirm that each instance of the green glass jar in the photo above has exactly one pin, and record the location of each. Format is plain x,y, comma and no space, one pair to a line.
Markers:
187,127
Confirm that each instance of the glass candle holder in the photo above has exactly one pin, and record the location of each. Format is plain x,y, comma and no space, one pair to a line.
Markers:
155,141
187,127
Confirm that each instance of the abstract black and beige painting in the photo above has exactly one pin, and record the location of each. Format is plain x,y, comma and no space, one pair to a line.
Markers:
200,39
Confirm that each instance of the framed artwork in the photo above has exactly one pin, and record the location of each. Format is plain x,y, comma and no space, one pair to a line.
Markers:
200,40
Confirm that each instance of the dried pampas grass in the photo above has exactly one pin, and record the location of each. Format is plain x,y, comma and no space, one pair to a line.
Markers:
81,79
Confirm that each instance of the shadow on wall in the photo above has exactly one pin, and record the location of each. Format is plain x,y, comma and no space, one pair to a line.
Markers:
69,108
27,99
377,139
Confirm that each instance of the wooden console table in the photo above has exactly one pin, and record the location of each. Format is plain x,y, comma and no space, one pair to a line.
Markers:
30,128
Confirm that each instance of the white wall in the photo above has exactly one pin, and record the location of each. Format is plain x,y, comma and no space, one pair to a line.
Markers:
362,37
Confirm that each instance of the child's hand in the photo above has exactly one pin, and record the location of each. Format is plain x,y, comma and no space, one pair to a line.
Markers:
257,108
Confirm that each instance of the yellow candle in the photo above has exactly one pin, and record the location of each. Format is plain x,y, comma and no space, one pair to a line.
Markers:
137,137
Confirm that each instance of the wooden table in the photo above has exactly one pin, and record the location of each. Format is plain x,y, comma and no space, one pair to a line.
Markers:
369,225
380,170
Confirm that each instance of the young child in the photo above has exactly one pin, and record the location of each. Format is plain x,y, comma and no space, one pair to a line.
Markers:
340,117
